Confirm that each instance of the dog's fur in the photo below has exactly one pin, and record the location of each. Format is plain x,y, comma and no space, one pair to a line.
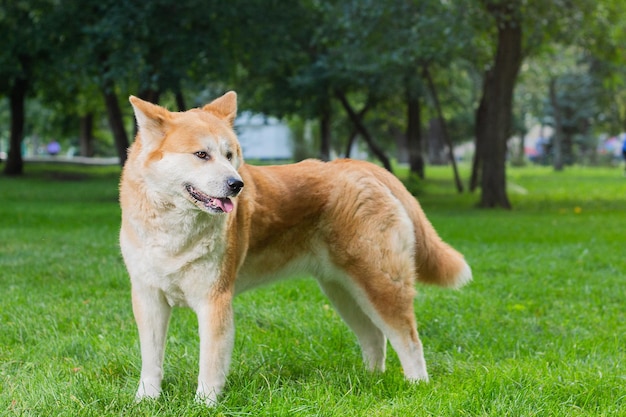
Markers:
199,226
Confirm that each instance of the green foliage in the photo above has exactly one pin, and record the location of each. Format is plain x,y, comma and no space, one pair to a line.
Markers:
414,184
538,332
289,61
27,32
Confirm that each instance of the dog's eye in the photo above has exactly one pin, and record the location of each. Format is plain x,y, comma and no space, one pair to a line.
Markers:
229,156
202,155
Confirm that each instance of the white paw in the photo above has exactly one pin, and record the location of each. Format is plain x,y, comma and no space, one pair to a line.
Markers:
418,377
206,397
147,389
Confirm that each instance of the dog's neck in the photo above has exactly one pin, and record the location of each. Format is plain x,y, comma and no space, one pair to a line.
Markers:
164,214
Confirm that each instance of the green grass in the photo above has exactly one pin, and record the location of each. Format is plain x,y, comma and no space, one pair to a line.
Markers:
540,332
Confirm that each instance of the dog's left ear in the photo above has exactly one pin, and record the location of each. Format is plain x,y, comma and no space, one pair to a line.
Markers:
224,107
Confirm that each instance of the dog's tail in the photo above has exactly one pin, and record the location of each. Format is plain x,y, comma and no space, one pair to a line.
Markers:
436,262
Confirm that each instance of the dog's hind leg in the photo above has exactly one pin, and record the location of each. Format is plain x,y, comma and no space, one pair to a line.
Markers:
371,338
403,336
390,307
382,286
152,314
376,312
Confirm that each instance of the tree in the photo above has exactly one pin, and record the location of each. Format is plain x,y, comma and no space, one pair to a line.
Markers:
398,63
444,128
573,83
571,111
521,29
124,50
356,119
493,117
28,31
603,37
281,67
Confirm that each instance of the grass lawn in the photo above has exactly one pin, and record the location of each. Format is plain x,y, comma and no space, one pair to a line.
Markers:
540,331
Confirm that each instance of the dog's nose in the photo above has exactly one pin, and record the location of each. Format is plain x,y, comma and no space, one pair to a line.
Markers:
234,184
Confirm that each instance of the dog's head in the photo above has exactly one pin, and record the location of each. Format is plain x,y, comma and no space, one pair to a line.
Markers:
192,155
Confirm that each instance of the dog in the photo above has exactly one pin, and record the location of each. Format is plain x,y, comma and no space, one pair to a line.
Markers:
200,226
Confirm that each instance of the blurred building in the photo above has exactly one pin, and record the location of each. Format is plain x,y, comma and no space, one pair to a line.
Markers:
263,138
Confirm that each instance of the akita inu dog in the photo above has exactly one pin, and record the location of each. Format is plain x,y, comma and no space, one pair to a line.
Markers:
200,226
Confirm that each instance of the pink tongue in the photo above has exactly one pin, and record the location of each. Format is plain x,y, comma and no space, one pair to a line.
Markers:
225,204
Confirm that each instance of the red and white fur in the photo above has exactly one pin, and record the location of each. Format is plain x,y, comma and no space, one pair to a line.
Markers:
200,226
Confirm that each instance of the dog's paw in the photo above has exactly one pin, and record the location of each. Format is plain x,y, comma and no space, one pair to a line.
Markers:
421,376
207,398
147,390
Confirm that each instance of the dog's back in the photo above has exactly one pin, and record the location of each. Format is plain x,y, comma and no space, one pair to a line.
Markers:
318,211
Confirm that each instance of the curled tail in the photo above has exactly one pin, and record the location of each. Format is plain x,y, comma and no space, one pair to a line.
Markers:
436,262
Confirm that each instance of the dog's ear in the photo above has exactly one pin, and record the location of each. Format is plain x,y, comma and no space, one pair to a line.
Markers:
151,119
224,107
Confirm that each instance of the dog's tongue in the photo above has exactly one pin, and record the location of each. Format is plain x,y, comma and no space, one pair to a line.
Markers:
225,204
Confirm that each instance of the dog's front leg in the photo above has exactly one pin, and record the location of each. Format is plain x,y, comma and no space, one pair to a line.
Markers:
152,314
217,335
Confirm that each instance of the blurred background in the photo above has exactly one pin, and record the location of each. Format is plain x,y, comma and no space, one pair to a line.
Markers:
486,83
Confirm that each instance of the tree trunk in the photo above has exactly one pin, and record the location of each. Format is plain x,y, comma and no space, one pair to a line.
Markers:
444,129
116,122
351,140
480,127
180,100
354,132
151,95
435,144
557,138
414,135
17,98
358,124
521,149
499,105
86,135
325,134
567,148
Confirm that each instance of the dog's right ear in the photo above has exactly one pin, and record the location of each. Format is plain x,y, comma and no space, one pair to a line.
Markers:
151,120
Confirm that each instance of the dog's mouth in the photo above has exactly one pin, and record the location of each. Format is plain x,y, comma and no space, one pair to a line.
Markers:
212,204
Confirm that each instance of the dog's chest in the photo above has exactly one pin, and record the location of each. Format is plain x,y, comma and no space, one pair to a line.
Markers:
183,262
